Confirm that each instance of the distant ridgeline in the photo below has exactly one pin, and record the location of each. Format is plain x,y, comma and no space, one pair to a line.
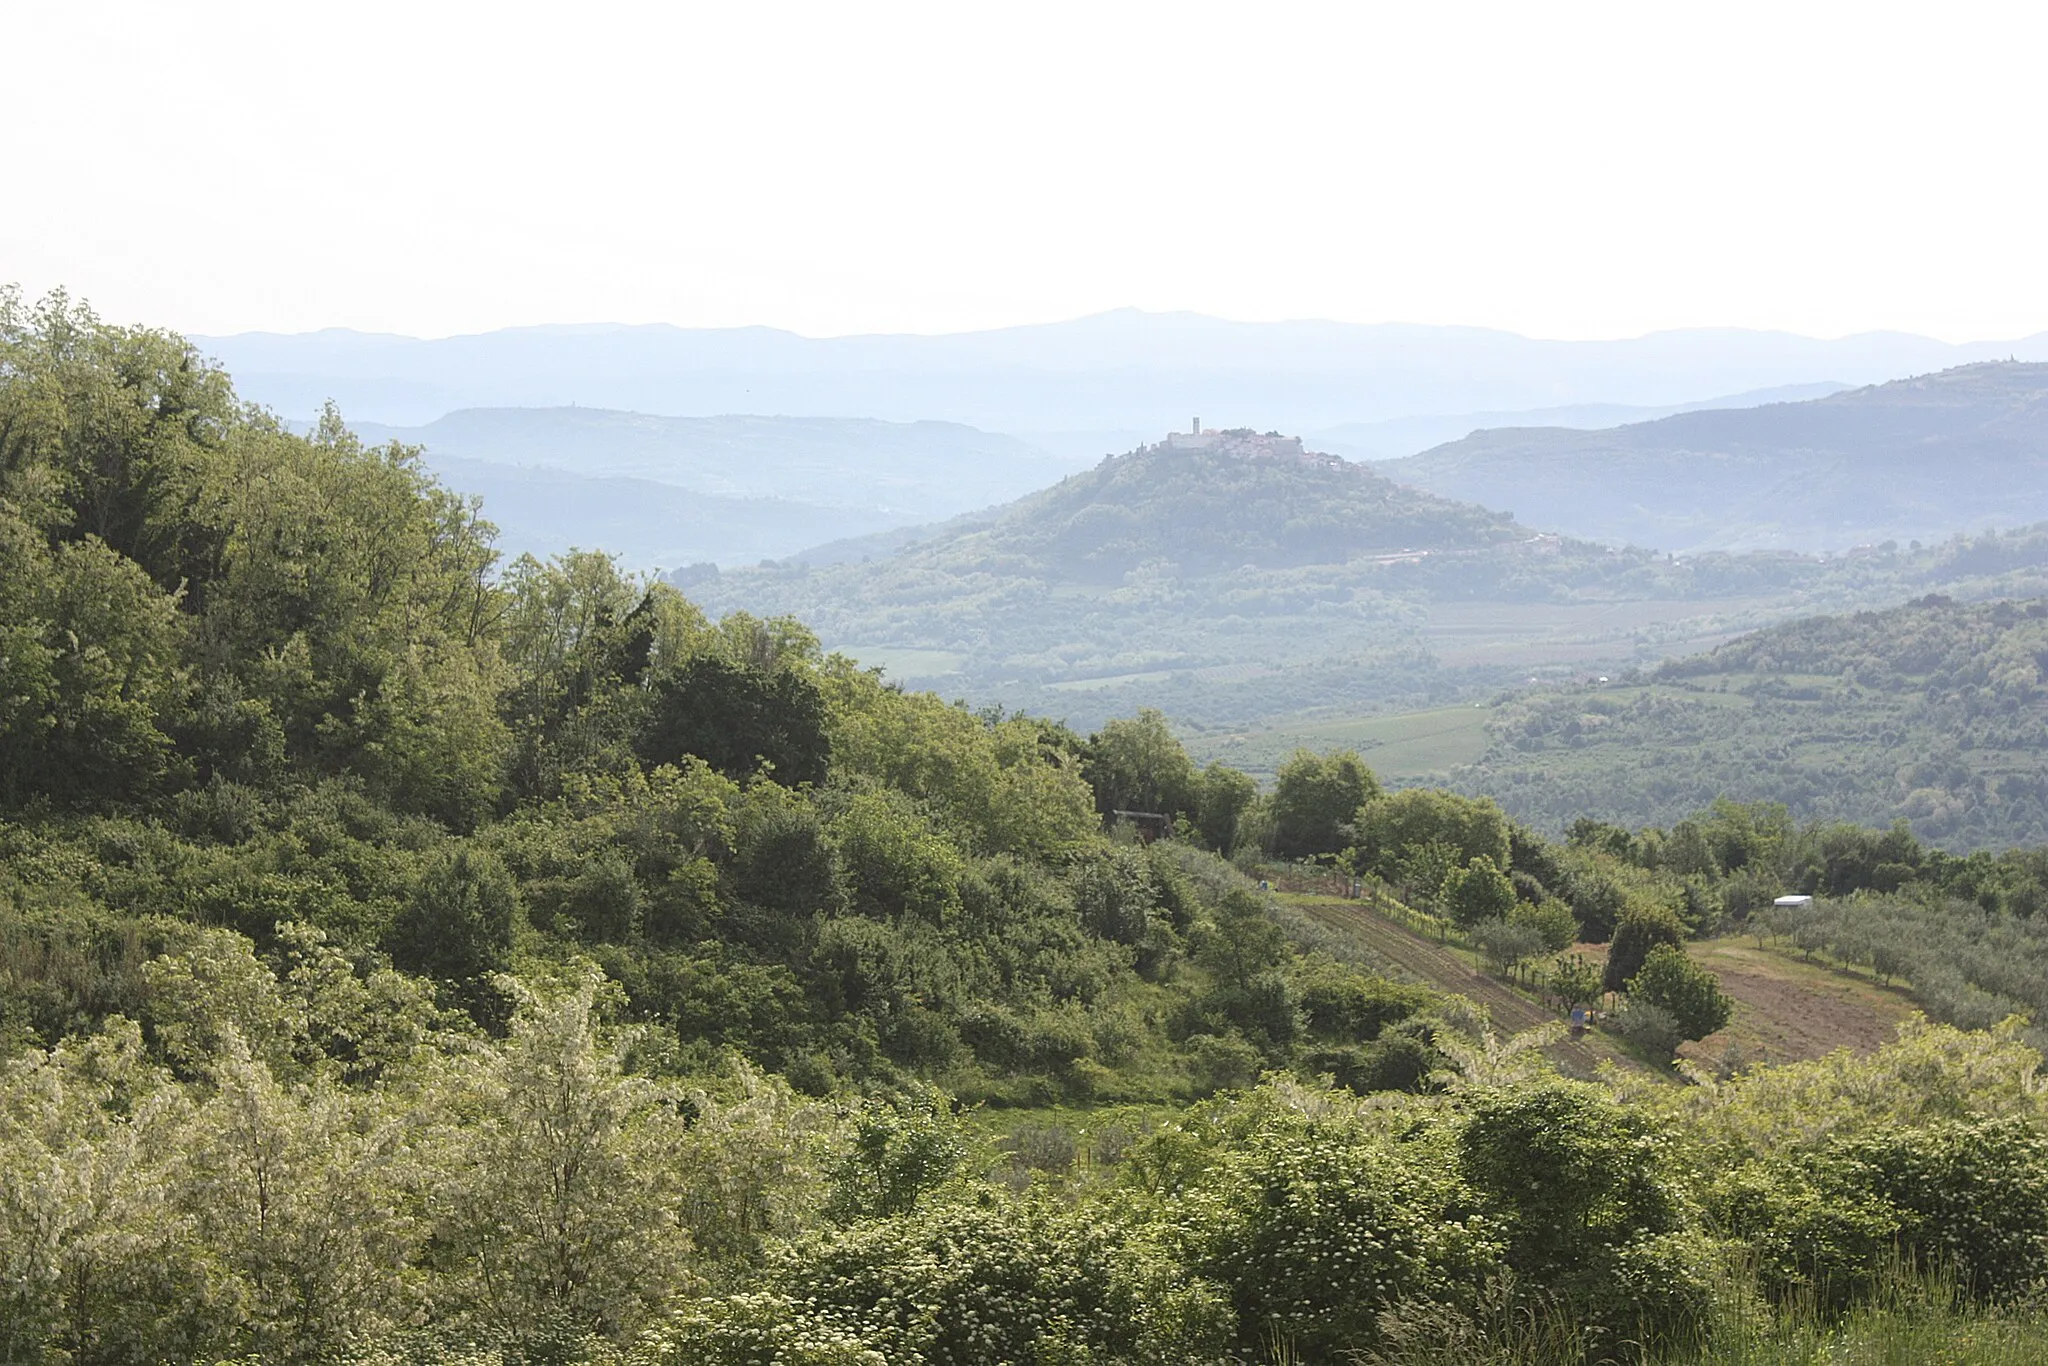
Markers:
1934,712
1917,458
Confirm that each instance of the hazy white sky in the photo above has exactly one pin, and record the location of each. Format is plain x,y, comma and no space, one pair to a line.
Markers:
1566,170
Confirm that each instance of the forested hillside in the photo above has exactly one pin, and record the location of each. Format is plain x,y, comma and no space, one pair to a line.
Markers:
1240,593
1933,713
409,957
1154,562
1915,458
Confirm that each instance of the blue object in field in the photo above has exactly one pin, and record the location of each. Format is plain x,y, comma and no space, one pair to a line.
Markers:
1265,886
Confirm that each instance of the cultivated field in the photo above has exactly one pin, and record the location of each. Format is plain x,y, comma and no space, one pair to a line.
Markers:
1786,1009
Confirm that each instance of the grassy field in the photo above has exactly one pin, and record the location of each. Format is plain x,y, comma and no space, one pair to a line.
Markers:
1403,747
905,663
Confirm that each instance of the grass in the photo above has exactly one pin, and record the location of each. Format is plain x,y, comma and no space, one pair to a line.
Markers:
1914,1320
902,662
1401,747
1787,1009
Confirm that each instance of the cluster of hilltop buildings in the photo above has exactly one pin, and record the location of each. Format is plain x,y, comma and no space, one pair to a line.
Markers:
1246,444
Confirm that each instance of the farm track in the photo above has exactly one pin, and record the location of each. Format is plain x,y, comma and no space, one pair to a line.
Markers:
1444,969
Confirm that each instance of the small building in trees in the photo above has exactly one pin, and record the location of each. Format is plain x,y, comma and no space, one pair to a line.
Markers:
1150,825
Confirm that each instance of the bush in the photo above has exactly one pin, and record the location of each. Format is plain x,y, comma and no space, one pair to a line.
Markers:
1655,1293
1690,994
754,1329
1478,892
981,1282
1351,1007
1316,1229
1222,1064
1641,929
1552,921
1974,1195
1649,1027
1398,1062
1807,1229
1566,1170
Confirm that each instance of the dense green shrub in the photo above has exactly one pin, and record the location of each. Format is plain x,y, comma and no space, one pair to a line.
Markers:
1690,994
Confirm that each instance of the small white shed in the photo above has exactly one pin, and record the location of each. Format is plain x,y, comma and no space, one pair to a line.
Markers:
1794,903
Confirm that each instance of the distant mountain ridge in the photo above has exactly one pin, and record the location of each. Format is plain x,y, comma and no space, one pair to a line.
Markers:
1118,371
1926,457
1393,438
671,491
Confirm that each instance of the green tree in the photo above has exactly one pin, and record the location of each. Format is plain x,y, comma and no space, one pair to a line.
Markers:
1137,764
782,859
736,717
1551,919
1672,982
893,863
562,1196
901,1149
1239,941
1315,798
1506,945
1225,796
97,1262
302,1199
1389,828
89,672
458,925
1574,981
1642,928
1478,892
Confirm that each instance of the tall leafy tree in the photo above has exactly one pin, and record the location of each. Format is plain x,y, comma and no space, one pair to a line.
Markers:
1315,799
1137,764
